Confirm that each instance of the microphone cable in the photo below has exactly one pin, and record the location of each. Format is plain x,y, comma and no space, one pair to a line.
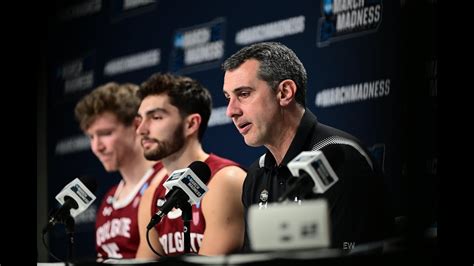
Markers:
47,248
149,243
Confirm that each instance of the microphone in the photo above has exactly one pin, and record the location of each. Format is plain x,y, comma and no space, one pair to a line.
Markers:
311,171
74,198
184,185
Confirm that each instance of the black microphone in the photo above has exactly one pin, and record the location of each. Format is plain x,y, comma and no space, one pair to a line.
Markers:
311,171
185,185
74,198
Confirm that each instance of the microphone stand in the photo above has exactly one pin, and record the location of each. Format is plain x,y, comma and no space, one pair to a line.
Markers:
187,216
70,224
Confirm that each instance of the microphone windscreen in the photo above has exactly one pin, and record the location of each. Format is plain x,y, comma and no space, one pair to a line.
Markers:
202,170
89,182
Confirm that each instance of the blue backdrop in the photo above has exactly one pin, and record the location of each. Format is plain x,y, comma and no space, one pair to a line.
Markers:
354,52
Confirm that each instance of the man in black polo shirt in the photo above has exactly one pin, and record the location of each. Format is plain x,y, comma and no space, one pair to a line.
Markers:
265,86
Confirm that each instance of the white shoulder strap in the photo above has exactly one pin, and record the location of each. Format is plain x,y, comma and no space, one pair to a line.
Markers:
343,141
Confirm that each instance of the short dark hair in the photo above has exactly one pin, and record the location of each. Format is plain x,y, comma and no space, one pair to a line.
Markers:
277,63
119,99
187,94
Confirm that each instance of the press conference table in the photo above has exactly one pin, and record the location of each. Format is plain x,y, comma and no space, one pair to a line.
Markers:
390,252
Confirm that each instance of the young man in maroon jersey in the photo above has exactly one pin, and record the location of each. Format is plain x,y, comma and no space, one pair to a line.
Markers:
174,113
107,116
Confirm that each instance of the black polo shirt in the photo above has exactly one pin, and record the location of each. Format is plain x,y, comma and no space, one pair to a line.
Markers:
356,202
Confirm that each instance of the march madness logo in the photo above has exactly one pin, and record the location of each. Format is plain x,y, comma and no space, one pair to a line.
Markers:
342,19
198,47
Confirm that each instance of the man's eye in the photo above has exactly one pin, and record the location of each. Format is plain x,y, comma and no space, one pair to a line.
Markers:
244,94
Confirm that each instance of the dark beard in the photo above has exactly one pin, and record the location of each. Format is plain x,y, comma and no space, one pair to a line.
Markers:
166,148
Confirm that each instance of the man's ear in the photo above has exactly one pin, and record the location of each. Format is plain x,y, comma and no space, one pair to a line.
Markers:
192,123
136,122
286,92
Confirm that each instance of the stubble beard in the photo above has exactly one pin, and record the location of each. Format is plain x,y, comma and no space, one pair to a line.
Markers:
166,148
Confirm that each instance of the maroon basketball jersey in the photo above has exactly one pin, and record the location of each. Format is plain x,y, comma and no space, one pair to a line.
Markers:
170,229
116,225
